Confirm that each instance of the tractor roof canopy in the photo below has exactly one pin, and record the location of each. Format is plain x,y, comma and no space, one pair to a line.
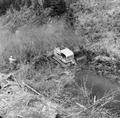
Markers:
67,52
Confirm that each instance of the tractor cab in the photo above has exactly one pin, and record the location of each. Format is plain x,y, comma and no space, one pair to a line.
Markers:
65,55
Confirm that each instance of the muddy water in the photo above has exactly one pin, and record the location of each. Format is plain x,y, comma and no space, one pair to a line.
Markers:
98,85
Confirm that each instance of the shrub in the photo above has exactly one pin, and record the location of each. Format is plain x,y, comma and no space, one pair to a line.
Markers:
40,63
58,7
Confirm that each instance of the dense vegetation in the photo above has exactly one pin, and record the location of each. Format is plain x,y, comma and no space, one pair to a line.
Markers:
31,29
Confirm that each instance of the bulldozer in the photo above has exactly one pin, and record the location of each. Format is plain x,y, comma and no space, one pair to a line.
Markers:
64,56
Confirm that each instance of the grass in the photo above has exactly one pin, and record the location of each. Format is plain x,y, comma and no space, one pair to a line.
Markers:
97,28
29,37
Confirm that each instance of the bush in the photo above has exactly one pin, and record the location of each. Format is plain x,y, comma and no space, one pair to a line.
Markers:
58,7
40,62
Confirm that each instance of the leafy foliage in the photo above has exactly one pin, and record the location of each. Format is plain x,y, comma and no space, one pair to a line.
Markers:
58,6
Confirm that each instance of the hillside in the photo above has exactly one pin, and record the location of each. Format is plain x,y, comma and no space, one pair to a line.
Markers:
37,86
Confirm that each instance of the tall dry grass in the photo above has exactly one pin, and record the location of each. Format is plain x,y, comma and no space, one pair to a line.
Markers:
30,41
